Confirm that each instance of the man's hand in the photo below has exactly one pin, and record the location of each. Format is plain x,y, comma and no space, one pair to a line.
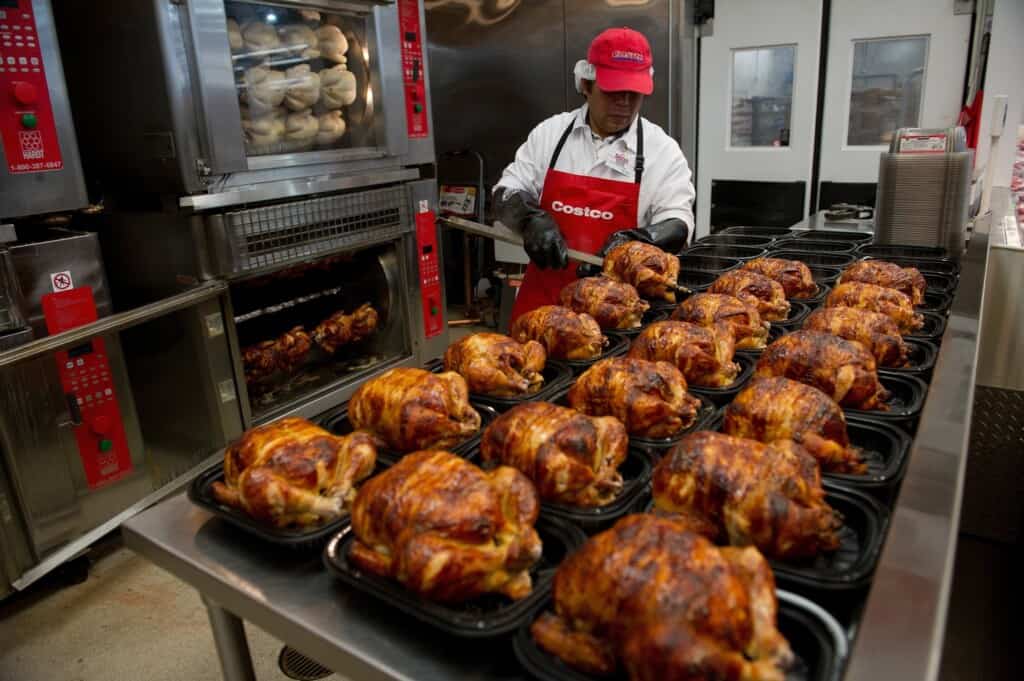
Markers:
544,243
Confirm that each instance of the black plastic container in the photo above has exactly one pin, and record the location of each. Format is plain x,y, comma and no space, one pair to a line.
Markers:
819,246
726,251
822,275
936,302
904,251
200,493
798,311
818,299
339,424
696,280
941,283
556,377
720,396
926,265
484,617
659,312
851,566
907,394
811,258
836,235
817,641
617,345
754,230
921,356
763,241
934,327
705,263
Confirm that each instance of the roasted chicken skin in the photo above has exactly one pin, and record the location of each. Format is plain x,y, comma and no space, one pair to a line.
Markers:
292,472
284,354
875,331
563,333
653,272
494,364
703,355
447,530
744,492
794,276
572,458
771,409
767,295
649,398
661,603
341,329
710,309
614,304
842,369
409,409
873,298
907,280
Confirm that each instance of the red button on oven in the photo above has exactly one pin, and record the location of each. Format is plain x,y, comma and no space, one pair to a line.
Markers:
101,425
25,93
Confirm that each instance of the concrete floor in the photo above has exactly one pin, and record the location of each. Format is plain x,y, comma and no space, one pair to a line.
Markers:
129,620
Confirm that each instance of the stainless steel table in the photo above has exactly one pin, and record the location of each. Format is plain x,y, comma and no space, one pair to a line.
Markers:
293,598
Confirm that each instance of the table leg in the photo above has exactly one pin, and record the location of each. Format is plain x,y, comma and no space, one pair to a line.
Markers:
232,646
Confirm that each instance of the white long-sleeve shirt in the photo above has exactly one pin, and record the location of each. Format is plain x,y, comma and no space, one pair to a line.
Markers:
666,188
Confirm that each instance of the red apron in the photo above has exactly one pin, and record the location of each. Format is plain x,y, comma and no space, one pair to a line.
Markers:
587,211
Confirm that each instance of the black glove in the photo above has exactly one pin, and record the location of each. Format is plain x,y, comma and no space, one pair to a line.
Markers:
541,238
668,235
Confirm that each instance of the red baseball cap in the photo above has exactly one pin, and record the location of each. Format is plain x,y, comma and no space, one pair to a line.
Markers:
622,60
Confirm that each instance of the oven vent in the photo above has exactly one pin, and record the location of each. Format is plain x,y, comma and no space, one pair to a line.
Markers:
268,236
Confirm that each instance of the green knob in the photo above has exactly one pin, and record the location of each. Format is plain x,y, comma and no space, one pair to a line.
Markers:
418,108
106,445
433,311
29,121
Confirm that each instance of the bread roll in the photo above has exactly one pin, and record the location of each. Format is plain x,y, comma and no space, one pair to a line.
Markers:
333,44
310,15
301,126
303,88
302,39
337,87
264,89
235,36
260,36
332,127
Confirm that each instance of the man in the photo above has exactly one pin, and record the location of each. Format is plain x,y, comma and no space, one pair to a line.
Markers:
596,177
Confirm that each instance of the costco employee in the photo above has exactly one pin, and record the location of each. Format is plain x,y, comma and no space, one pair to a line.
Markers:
593,178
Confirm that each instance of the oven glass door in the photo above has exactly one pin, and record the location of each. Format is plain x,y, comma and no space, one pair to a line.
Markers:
285,84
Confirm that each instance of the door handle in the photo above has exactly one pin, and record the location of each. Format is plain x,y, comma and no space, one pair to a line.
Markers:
74,417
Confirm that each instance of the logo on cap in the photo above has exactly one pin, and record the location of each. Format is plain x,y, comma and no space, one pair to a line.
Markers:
628,55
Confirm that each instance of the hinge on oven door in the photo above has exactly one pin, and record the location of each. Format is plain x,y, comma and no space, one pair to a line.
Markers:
203,168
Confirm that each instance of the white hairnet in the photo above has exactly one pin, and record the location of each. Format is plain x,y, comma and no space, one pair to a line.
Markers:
584,70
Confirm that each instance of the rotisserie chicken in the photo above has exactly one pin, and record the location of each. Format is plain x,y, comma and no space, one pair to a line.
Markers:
494,364
710,309
614,304
649,398
340,328
409,409
767,295
656,602
292,472
771,409
842,369
745,492
447,530
571,458
563,333
653,272
907,280
794,276
875,331
873,298
703,355
282,354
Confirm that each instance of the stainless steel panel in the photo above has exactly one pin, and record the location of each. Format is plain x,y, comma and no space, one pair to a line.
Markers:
32,193
1002,332
214,80
656,19
497,70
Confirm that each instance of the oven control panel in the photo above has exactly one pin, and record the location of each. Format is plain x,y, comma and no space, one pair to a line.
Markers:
413,77
430,271
27,126
89,388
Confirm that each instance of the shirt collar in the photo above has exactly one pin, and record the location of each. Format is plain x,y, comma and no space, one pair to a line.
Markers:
629,137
